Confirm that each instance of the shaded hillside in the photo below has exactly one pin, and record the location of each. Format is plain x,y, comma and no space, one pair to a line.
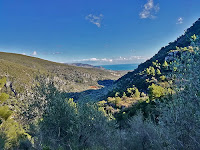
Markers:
22,70
183,41
153,80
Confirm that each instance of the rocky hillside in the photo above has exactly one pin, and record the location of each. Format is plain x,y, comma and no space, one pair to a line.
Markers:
153,79
183,41
22,70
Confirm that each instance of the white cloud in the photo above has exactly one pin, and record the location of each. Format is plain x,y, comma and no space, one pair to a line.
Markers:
23,53
180,20
34,53
118,60
149,10
95,19
56,53
96,60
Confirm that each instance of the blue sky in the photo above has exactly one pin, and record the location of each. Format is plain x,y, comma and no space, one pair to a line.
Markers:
93,31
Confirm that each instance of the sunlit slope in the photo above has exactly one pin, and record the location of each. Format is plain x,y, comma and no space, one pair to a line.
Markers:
22,70
183,41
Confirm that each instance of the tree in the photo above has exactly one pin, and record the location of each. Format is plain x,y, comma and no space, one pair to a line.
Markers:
110,99
117,101
95,131
148,71
137,93
162,78
143,134
194,37
165,65
152,70
156,64
158,72
10,129
156,91
124,95
2,82
117,94
58,128
69,125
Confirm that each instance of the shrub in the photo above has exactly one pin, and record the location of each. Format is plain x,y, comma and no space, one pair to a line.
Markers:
156,91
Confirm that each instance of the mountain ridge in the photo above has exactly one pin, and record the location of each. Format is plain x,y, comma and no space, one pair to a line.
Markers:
181,41
22,70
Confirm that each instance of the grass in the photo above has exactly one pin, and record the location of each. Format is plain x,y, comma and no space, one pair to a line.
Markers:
22,70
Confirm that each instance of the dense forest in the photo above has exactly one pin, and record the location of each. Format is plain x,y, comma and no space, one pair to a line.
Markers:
154,107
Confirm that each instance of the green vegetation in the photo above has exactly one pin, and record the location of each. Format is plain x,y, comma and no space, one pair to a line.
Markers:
21,72
158,72
157,82
154,107
133,78
65,124
165,65
11,131
156,91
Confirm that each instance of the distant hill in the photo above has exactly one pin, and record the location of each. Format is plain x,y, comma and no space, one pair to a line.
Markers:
86,65
21,71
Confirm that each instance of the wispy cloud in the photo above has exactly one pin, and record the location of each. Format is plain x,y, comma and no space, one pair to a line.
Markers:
97,60
34,53
149,10
56,53
118,60
179,21
95,19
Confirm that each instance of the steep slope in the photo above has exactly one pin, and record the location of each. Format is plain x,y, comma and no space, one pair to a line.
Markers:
22,70
152,80
183,41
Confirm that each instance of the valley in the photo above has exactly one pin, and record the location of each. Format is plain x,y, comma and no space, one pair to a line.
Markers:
108,93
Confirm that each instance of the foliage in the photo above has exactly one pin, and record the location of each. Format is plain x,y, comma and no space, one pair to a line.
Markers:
5,112
158,72
2,82
21,72
156,91
133,92
194,37
162,78
150,71
64,124
165,65
59,121
3,97
11,131
165,115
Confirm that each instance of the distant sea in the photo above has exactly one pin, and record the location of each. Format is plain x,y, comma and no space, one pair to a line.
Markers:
121,67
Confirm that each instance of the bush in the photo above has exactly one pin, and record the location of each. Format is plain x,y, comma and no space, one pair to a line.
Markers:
69,125
156,91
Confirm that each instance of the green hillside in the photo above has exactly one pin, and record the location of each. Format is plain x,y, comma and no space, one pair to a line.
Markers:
155,107
153,79
22,70
183,41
